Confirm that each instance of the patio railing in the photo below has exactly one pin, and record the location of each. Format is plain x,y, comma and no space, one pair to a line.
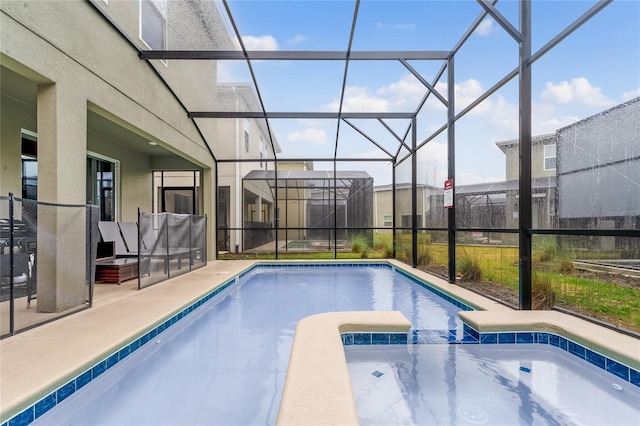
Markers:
170,245
40,245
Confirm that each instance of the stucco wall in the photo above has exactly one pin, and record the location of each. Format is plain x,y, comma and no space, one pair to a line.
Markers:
14,116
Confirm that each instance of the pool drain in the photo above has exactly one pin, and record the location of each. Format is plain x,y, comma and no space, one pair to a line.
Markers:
473,413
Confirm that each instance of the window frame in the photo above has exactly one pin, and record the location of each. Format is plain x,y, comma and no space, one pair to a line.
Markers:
549,157
164,27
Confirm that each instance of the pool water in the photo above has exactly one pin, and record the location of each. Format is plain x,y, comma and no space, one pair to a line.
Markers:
225,363
470,384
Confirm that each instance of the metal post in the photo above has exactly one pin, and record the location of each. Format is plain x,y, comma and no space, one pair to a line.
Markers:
216,215
166,222
12,325
190,241
276,220
451,150
414,195
90,258
139,250
286,214
524,210
393,208
335,211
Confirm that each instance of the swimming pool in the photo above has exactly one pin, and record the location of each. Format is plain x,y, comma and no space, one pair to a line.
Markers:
225,363
532,384
226,355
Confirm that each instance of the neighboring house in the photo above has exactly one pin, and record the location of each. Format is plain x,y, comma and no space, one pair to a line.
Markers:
383,202
84,120
543,172
599,174
486,205
584,175
242,204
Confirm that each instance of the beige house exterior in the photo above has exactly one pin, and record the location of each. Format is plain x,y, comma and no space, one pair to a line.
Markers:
74,85
383,203
240,201
543,165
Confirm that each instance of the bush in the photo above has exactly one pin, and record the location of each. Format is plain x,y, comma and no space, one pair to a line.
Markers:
424,255
565,266
543,296
469,266
359,244
546,253
387,251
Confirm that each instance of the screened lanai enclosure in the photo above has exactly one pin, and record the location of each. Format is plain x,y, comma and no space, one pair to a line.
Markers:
493,143
316,211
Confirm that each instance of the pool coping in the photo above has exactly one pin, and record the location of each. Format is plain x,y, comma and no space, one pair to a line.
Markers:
317,388
41,354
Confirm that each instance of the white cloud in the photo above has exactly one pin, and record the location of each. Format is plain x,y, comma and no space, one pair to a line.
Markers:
486,27
547,120
297,39
631,94
265,42
467,92
403,94
315,136
358,99
578,90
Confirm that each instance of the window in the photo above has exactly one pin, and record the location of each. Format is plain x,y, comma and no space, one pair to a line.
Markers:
153,23
29,159
550,157
102,176
246,135
387,221
261,148
176,191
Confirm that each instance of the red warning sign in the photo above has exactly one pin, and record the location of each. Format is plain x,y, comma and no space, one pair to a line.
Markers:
448,193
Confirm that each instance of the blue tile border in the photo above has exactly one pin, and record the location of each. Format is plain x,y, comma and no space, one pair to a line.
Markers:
40,407
356,339
471,336
612,366
463,306
467,336
322,265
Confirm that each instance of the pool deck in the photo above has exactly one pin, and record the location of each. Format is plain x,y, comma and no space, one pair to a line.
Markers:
36,362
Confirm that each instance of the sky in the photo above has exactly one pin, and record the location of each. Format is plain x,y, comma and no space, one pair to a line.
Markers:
594,69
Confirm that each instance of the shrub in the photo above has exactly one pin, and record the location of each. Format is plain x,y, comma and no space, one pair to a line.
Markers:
543,296
546,252
387,251
424,255
565,266
359,244
469,266
364,254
